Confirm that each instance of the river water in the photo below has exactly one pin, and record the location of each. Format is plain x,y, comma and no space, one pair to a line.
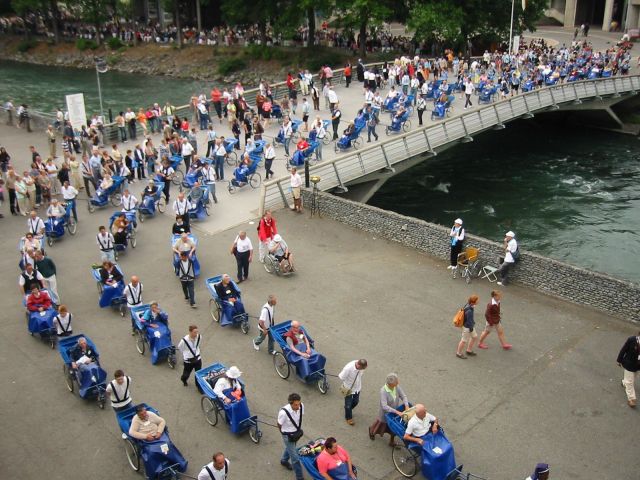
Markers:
569,193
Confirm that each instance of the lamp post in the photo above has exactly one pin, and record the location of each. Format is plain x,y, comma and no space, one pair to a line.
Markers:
101,67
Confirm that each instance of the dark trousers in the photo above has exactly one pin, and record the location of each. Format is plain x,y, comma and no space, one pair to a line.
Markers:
189,293
335,129
219,167
467,102
165,190
420,113
140,170
218,108
187,161
210,147
13,202
89,181
242,259
123,133
132,130
347,79
455,250
267,167
38,194
350,402
504,270
187,368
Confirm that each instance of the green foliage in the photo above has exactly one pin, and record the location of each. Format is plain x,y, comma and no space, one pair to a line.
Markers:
26,45
229,65
115,43
83,44
113,59
262,52
440,20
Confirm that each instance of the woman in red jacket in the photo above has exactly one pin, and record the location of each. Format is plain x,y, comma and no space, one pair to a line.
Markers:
266,230
492,315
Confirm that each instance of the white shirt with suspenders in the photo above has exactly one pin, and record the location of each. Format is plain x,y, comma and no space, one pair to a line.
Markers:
35,226
190,348
185,270
119,392
181,207
209,472
63,324
133,294
105,242
128,203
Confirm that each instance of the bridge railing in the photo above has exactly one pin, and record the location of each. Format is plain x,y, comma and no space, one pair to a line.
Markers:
338,172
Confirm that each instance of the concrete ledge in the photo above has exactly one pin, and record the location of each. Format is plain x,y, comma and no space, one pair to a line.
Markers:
578,285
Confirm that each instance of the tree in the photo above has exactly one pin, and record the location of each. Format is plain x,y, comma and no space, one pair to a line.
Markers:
95,12
176,7
361,14
23,8
259,12
437,21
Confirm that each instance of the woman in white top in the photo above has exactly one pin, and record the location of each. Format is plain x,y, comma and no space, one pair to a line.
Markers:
62,322
229,381
242,249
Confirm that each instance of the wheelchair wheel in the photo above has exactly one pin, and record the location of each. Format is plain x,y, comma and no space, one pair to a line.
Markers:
404,460
100,288
171,360
140,217
407,126
115,199
206,209
323,385
244,326
254,433
467,275
210,410
281,365
50,240
101,401
161,204
255,180
214,309
68,378
140,342
72,226
357,143
268,264
132,454
178,177
327,139
132,239
232,159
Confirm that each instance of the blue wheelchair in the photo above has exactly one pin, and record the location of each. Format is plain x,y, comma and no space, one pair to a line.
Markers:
151,204
90,383
216,307
176,257
236,413
102,197
130,238
347,141
529,85
41,323
246,175
192,177
110,296
54,229
309,370
441,109
156,338
309,456
161,460
399,124
178,173
487,94
390,103
327,138
299,157
230,148
199,208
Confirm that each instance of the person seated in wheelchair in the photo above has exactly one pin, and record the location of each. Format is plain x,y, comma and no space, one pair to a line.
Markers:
229,300
347,133
38,300
196,196
398,118
110,276
228,388
56,212
443,98
391,95
146,426
302,145
279,249
85,360
420,425
180,227
31,243
300,351
105,184
119,229
240,173
154,317
149,196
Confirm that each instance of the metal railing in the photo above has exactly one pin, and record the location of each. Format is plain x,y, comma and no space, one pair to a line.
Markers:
341,170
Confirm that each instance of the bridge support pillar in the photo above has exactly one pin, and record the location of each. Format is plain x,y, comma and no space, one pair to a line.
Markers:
614,117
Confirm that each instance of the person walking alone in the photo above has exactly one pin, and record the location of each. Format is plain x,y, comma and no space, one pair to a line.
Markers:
629,360
457,241
493,317
421,106
266,320
190,348
351,376
242,249
468,90
468,333
290,425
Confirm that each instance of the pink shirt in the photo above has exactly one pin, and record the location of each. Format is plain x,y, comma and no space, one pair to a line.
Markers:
327,461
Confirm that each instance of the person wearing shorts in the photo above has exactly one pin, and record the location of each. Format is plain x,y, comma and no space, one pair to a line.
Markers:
468,333
493,317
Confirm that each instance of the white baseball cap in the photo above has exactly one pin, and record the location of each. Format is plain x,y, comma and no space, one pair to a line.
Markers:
510,234
458,221
277,238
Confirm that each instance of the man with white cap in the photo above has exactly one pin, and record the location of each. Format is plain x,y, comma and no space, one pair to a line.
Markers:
279,248
511,254
457,240
228,386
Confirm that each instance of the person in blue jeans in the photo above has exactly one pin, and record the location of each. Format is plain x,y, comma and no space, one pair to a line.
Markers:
266,320
290,425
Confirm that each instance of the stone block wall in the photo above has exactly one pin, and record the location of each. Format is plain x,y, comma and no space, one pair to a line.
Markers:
578,285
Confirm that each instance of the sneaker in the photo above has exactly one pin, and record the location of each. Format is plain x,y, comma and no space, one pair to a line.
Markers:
483,346
351,422
507,346
461,356
256,347
193,305
471,354
500,283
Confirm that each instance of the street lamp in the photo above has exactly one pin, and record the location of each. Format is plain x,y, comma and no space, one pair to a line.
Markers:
101,67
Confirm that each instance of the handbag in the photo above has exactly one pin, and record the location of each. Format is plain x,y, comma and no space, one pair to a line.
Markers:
297,435
347,391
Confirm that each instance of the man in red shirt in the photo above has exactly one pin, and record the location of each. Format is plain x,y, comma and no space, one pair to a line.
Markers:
216,99
336,460
492,315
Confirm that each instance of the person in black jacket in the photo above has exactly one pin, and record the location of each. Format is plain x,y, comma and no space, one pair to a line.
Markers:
629,360
469,335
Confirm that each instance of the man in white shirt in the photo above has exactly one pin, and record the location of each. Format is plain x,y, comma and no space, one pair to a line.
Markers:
187,151
290,425
220,152
209,178
218,469
133,293
420,425
128,202
118,391
69,194
242,248
333,98
287,131
181,207
269,157
190,348
105,242
511,254
266,320
468,90
35,225
296,186
351,376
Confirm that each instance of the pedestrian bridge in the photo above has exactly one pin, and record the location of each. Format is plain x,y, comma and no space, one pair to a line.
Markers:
360,173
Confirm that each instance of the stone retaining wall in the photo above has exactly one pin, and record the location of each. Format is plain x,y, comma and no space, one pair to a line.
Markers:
577,285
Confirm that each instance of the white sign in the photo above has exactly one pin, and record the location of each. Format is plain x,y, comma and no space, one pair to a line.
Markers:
75,107
516,44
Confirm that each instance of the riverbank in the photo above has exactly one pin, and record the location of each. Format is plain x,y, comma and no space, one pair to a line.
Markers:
199,62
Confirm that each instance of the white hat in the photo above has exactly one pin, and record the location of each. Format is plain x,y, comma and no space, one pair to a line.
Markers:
510,234
233,372
458,221
277,238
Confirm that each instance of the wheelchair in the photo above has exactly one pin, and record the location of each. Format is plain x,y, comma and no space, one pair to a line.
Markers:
399,124
236,414
272,264
88,388
230,148
110,296
299,157
246,175
216,311
160,458
157,339
176,257
150,205
307,370
130,239
41,323
442,110
468,264
327,138
102,197
487,94
178,174
199,210
308,454
348,141
54,230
